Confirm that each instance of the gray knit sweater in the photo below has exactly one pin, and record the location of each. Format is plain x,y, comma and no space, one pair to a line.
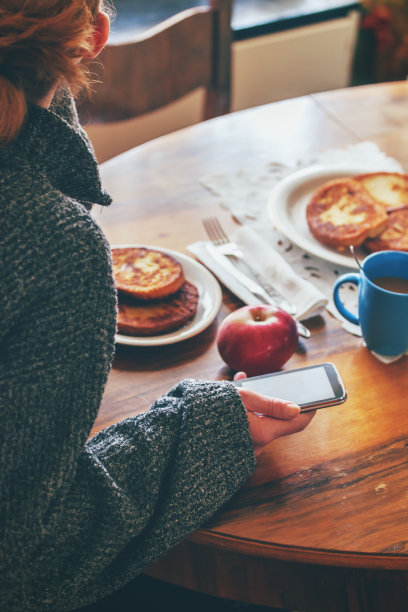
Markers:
79,519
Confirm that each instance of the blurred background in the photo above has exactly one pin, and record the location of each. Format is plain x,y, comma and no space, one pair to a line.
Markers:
280,49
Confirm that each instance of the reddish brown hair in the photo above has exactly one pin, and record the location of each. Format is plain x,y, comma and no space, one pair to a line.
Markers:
40,43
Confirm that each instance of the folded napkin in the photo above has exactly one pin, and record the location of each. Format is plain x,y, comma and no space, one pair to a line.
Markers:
271,270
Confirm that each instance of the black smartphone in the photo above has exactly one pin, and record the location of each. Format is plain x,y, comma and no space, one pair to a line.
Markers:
312,387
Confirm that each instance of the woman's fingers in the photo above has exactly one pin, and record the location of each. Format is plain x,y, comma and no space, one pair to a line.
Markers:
270,417
264,430
268,406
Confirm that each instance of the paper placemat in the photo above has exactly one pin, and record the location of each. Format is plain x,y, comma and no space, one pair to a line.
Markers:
245,194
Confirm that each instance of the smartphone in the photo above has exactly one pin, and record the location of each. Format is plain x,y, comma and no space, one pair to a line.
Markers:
312,387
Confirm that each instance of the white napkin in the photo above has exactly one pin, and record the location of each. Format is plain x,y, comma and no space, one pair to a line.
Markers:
272,269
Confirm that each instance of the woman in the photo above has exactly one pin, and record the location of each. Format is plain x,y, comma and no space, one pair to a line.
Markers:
78,518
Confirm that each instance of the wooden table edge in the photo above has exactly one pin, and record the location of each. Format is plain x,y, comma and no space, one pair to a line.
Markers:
254,548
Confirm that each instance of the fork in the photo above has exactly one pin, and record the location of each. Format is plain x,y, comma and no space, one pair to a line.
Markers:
231,250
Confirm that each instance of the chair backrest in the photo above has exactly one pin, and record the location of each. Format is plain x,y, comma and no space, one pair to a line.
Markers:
187,51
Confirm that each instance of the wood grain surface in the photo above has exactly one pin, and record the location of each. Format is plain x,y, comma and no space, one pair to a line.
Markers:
322,525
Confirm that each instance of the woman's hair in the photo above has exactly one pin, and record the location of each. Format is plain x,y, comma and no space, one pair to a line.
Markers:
40,43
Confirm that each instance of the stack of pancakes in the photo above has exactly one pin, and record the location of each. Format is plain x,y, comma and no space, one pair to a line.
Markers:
370,210
153,295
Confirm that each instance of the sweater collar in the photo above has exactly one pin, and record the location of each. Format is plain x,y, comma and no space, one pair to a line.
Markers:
54,143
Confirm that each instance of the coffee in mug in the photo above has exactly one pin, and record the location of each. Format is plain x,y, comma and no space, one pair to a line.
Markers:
392,283
382,301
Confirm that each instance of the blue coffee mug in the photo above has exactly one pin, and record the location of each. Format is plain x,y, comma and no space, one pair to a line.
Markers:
382,313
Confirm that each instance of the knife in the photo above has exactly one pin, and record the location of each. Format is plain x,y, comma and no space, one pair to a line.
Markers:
247,282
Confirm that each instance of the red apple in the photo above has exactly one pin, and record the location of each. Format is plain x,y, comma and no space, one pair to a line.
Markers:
257,339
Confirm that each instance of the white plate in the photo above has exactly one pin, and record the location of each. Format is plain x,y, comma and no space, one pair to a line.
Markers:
287,210
209,302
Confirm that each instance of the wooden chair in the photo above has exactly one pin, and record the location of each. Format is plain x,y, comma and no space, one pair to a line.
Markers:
187,51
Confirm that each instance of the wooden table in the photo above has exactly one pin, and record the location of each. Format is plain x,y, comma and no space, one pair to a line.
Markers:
322,525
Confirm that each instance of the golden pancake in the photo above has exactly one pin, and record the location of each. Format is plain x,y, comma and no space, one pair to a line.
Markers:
342,213
146,273
159,316
389,188
395,235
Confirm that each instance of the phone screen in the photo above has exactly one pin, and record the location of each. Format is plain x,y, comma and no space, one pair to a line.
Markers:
310,387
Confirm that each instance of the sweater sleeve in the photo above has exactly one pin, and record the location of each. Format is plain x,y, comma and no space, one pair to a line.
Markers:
140,487
143,485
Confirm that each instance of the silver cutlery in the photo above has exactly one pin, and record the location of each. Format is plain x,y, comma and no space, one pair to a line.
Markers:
242,278
233,252
223,250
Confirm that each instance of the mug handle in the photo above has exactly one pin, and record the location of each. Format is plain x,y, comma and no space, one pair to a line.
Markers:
345,278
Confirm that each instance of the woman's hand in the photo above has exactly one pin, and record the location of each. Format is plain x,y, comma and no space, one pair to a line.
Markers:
270,418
